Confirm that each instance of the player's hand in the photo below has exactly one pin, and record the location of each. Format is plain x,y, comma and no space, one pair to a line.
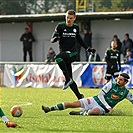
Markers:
30,40
110,110
91,50
55,39
25,39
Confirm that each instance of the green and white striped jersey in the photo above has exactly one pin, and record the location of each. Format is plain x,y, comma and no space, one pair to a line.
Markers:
112,94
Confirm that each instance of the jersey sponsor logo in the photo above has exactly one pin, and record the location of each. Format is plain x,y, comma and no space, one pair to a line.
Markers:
69,34
74,30
113,57
113,96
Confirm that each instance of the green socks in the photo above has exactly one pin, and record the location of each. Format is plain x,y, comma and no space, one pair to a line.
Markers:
1,113
59,106
84,112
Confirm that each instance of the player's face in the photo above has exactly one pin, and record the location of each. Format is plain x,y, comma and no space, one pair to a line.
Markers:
114,45
70,19
120,81
26,31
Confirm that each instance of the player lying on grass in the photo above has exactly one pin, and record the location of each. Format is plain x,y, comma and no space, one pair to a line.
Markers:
5,120
111,94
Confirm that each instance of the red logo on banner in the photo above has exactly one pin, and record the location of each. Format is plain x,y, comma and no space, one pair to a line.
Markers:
44,78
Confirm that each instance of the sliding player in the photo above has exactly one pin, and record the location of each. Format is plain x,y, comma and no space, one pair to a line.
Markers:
111,94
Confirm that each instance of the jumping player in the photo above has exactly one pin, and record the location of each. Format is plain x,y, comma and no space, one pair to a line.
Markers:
5,120
112,58
67,33
111,94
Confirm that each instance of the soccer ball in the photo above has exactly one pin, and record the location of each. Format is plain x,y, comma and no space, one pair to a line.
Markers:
98,74
16,111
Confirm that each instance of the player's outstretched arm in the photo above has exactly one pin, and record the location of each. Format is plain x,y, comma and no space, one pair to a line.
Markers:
54,39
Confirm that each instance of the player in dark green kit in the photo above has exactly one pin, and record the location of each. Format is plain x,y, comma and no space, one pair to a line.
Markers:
67,33
111,94
112,57
6,120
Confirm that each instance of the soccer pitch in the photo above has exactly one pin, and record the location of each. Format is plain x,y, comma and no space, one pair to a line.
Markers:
35,120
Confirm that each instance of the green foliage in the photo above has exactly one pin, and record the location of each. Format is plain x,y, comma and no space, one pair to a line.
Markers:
127,4
34,120
8,7
112,5
57,6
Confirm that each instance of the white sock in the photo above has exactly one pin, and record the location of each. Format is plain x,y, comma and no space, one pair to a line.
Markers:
86,112
4,118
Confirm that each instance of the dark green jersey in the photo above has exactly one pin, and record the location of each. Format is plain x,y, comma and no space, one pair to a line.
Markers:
112,95
68,36
112,57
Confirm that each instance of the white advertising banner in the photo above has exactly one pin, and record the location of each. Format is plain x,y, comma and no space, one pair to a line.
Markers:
38,76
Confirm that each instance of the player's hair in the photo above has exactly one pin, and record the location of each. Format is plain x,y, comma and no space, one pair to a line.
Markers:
126,77
26,28
71,12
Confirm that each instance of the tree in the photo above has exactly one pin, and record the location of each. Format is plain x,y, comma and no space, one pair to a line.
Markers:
112,5
15,6
9,7
127,5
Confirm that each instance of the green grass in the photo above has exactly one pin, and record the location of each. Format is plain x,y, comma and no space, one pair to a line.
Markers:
35,120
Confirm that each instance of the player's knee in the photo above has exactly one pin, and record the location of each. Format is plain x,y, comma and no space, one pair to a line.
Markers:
94,111
57,59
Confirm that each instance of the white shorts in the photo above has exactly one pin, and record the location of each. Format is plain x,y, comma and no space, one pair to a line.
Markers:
90,103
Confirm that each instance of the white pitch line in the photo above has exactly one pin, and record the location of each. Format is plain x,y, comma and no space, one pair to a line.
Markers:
20,104
24,104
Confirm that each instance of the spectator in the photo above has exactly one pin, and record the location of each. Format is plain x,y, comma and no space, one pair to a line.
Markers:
119,44
51,55
27,39
126,44
112,58
94,57
128,59
87,40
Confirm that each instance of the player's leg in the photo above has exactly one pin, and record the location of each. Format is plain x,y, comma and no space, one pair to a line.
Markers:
25,53
60,59
94,111
5,119
74,86
62,106
89,107
30,53
116,74
108,75
2,115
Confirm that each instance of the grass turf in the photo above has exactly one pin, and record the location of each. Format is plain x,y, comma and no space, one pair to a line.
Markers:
35,120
